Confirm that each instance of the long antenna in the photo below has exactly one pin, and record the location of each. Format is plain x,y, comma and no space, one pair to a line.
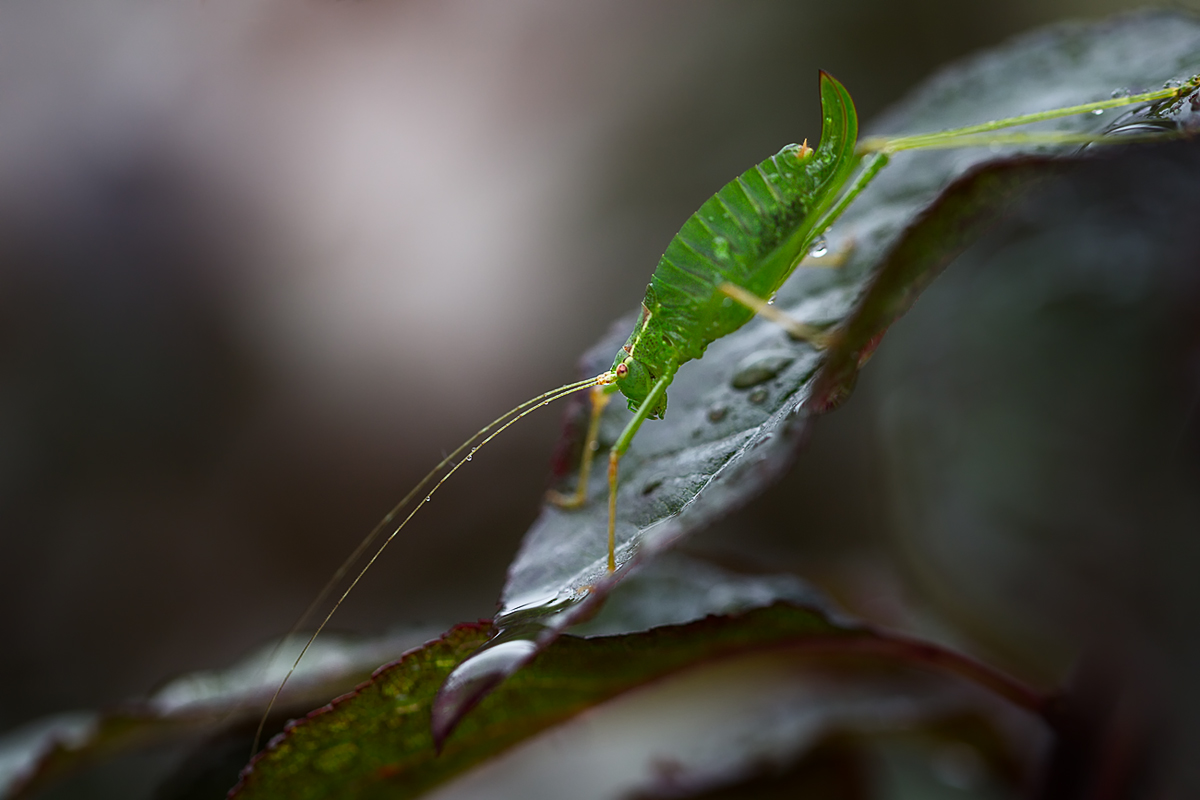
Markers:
507,418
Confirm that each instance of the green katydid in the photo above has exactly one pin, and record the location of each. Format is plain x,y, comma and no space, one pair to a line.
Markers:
721,269
731,256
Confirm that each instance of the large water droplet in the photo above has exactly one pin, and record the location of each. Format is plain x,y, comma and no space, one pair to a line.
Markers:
1142,127
760,368
1098,111
472,680
819,248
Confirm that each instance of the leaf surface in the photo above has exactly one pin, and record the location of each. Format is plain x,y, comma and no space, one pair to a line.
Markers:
737,416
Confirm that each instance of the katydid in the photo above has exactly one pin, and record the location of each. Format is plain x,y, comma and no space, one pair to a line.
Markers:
731,257
721,269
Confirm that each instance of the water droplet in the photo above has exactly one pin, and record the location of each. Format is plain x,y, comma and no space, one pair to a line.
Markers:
1120,93
1142,127
470,457
428,498
472,680
758,396
760,367
1098,111
819,248
717,413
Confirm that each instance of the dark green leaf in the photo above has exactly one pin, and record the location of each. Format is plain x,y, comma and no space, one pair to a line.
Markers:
376,742
188,709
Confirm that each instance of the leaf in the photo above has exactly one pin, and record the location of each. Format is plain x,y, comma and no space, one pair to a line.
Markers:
376,742
187,709
724,440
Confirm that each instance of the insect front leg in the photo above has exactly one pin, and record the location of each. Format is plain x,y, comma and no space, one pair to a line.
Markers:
600,395
796,329
618,450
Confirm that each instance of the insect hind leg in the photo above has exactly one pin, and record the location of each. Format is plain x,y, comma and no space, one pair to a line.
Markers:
800,331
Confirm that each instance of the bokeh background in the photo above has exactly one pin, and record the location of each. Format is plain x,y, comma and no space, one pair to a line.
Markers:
263,262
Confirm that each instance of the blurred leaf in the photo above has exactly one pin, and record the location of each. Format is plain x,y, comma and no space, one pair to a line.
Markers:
189,708
722,442
377,742
1053,444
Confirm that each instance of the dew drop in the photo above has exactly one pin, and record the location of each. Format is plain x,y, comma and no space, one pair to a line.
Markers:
428,498
758,396
1142,127
472,680
819,248
760,367
717,413
470,457
1120,93
1098,111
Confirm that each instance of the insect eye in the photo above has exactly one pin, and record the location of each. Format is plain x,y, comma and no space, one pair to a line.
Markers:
622,370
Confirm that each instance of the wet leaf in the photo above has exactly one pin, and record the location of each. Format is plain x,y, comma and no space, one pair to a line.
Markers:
722,441
376,742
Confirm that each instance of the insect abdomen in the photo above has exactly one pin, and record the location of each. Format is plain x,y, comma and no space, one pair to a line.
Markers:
734,237
752,233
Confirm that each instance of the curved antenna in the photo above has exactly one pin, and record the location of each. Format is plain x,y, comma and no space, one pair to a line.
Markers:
396,509
503,421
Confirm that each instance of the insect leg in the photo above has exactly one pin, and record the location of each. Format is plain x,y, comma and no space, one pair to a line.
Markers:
618,450
795,328
968,136
600,396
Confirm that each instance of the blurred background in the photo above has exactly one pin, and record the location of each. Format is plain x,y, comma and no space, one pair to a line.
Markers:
262,263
